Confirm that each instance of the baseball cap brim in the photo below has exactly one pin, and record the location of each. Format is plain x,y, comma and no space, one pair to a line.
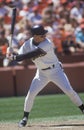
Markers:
42,33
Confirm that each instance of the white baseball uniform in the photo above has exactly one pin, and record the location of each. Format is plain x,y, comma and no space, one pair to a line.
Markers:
48,69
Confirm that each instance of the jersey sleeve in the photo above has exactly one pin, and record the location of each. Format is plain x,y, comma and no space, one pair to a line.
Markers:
30,55
24,48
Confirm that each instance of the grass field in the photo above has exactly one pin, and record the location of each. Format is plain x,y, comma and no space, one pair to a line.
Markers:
48,107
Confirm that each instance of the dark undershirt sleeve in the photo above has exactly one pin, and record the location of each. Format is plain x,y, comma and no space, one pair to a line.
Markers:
30,55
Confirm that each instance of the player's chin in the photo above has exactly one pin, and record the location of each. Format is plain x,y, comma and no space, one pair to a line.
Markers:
42,39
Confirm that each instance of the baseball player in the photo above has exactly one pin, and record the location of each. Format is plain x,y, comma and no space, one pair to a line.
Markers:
40,50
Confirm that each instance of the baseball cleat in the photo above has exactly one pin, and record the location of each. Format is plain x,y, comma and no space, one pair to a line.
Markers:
23,122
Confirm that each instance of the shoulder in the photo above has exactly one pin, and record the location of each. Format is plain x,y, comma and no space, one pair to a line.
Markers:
46,44
47,41
28,42
25,47
74,9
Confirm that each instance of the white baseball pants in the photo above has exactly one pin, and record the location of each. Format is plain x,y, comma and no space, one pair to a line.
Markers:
42,77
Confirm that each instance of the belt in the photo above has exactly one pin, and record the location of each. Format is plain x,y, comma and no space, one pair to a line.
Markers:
49,67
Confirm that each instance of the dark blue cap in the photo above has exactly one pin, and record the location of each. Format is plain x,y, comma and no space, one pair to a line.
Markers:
38,30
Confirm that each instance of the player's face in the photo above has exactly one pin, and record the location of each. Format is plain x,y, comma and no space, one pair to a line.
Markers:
39,38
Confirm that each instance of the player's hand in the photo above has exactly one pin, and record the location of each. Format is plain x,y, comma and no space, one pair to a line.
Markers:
10,50
11,57
9,53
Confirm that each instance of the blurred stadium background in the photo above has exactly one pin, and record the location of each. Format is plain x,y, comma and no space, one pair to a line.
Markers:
65,20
